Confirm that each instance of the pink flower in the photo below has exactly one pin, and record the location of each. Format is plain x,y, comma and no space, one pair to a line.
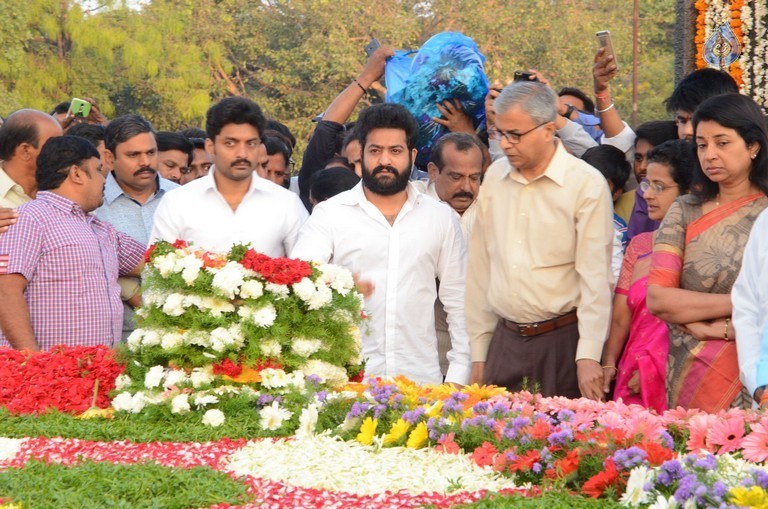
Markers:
727,433
756,444
644,424
699,427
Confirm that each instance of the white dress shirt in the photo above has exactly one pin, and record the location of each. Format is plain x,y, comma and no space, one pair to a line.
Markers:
269,217
749,297
402,261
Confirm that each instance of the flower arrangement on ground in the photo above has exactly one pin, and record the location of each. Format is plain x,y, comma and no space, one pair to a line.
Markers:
237,326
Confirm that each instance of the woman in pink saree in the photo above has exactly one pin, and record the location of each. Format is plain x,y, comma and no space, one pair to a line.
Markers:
698,250
640,370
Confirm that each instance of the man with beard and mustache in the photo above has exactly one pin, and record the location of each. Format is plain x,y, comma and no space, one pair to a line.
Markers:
59,264
398,241
132,193
232,205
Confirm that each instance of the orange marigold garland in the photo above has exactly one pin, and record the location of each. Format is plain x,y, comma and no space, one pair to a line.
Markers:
702,8
701,32
735,68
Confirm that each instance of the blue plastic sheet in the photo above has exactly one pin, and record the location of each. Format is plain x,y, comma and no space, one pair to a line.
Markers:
448,66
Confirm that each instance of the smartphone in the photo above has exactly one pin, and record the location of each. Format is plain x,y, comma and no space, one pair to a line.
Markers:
79,107
604,39
372,46
525,76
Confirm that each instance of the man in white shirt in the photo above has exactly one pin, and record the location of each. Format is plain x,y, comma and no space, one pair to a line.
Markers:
230,206
398,240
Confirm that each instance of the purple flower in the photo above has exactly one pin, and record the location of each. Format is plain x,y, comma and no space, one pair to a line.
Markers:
481,407
561,437
321,396
669,472
627,459
452,405
536,467
761,478
265,399
686,487
565,415
667,440
414,416
358,408
314,379
708,462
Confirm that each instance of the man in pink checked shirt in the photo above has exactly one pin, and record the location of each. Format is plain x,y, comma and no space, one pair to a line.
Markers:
59,264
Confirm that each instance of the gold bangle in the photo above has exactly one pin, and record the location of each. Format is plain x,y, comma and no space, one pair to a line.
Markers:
610,367
725,336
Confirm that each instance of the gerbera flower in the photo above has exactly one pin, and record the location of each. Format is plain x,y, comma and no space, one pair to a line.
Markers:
754,496
598,483
398,430
727,434
367,431
756,444
418,436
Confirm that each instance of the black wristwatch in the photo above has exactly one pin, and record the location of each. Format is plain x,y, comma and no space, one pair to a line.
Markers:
568,111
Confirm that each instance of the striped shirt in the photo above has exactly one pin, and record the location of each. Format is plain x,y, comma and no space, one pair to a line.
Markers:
71,261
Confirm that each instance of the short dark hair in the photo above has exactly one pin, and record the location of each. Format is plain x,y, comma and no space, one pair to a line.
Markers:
611,162
462,142
742,114
589,105
124,128
339,161
680,157
281,128
91,132
275,145
656,132
233,110
196,136
62,107
16,131
331,181
387,116
699,86
58,154
167,140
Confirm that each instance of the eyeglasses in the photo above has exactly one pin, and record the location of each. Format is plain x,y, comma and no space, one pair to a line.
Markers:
513,138
657,188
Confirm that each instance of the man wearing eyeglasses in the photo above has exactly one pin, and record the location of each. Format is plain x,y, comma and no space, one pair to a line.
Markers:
538,298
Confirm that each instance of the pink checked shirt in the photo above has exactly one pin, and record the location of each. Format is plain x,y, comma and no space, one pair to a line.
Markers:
71,261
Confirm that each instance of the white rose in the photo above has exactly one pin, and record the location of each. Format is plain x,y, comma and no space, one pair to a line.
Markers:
251,289
154,376
180,404
213,418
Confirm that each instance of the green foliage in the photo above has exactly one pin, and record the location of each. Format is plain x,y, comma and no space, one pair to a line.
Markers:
547,500
42,485
171,59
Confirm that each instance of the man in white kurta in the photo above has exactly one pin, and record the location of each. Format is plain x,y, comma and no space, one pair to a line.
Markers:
399,240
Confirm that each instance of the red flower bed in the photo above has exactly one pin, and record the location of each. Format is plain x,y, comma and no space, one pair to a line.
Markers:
63,378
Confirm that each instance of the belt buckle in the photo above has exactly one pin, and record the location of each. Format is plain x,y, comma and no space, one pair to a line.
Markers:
526,332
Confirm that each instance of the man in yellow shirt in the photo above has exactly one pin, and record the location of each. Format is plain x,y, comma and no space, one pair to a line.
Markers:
538,299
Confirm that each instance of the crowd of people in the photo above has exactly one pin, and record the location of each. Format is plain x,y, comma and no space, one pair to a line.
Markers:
552,248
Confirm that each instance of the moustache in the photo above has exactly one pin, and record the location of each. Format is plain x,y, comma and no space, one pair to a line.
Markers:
464,194
380,169
144,169
240,161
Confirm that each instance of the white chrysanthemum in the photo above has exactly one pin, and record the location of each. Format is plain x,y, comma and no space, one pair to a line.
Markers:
273,416
174,377
152,296
134,340
272,378
297,380
279,291
307,422
122,381
201,376
333,375
663,502
150,338
264,316
189,266
304,289
180,404
154,376
322,297
227,279
174,305
251,289
213,418
337,277
305,347
221,339
198,338
635,493
271,348
217,307
126,402
201,400
171,340
166,264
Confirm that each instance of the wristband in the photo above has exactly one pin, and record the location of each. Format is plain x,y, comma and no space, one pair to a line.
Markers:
606,109
365,91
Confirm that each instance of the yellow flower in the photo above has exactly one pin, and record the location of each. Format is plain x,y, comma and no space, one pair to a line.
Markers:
418,436
754,497
367,431
96,413
397,431
434,409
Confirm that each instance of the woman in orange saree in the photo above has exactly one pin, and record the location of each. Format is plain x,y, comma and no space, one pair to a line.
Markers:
698,250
